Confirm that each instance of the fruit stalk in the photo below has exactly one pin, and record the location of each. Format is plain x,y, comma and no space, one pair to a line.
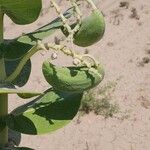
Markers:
3,97
78,14
70,52
64,20
92,4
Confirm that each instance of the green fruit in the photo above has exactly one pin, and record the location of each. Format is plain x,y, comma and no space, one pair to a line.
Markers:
72,79
91,30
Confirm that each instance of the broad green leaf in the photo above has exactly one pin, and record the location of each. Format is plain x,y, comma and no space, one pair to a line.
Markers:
23,76
21,11
11,89
14,49
46,30
45,114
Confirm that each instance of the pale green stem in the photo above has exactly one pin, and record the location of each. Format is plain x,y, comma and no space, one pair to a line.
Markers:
3,97
78,15
64,20
71,53
92,4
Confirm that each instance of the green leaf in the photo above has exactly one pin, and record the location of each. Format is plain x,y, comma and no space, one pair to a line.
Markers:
46,30
15,49
12,49
45,114
23,77
21,11
11,89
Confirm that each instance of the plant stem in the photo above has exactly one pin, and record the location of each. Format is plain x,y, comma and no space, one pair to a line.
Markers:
2,63
3,113
3,97
64,20
1,27
92,4
2,70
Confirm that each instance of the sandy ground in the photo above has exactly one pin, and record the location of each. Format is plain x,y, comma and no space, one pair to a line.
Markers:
125,44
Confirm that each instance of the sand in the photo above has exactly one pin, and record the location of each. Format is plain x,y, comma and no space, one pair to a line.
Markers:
126,42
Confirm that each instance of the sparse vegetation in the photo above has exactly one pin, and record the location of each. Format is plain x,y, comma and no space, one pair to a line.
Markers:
124,4
100,101
145,60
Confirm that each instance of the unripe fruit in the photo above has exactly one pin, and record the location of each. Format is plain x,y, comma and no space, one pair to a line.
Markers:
91,30
72,79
